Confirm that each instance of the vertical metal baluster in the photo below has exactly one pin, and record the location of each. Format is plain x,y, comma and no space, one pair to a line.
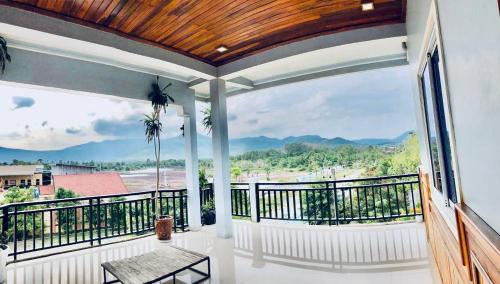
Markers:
67,225
335,197
51,228
301,205
413,200
257,201
181,209
34,229
15,232
329,203
105,220
114,213
275,204
43,229
120,216
381,201
359,206
91,222
314,206
130,216
142,214
99,221
397,199
76,224
343,203
405,198
247,191
389,200
287,205
83,222
374,203
294,205
366,201
148,213
118,219
308,212
25,235
175,210
136,217
269,203
281,203
351,203
59,226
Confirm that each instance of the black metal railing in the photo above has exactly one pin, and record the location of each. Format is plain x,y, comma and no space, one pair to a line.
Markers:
41,225
240,199
341,201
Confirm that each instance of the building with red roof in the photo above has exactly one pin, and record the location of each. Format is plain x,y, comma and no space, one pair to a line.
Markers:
87,184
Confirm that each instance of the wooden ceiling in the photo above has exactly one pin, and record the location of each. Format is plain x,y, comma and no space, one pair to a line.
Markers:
197,27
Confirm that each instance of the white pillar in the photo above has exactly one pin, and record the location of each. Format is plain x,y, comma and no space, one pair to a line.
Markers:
191,158
220,143
253,201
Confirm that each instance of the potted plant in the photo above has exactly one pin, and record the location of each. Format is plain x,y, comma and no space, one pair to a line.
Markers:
153,128
208,213
4,56
4,253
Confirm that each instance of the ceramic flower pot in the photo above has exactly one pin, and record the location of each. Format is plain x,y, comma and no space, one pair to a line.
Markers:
163,226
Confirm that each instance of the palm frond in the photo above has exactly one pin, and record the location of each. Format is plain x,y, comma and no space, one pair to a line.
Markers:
4,55
207,119
153,127
158,97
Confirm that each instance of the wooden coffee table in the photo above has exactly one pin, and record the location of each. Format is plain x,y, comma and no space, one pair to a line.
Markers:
156,265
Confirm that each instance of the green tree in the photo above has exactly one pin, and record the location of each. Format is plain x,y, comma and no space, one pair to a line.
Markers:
236,172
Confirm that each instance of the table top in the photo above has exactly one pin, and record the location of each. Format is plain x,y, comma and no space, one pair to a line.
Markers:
153,265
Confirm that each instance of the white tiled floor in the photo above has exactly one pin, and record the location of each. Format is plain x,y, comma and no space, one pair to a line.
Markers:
265,253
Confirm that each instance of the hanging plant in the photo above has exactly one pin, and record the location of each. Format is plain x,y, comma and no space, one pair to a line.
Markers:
4,55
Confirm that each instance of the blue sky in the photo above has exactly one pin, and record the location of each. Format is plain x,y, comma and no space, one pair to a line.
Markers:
361,105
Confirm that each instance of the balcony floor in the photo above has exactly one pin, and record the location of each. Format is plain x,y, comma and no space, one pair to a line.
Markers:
265,253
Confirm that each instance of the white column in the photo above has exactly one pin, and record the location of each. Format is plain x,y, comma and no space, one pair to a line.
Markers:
220,142
253,201
191,157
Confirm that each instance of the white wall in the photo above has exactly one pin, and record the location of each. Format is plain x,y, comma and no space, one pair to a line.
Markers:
471,42
470,33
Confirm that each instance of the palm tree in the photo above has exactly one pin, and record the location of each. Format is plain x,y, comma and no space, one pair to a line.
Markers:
207,119
4,56
152,123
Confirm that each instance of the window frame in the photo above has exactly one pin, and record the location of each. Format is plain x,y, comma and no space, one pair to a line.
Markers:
432,41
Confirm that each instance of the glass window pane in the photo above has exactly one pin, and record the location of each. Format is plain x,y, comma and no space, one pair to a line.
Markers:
431,127
444,126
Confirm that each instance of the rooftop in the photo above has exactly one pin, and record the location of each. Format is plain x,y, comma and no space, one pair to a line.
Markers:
90,184
20,170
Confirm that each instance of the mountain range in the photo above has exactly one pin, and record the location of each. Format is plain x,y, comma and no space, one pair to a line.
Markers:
173,148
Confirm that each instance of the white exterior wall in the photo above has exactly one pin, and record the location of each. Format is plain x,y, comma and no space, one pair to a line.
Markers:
470,34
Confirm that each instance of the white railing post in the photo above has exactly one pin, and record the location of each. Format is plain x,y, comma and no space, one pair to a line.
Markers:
253,201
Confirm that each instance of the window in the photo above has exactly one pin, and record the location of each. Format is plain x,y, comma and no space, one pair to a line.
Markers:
29,182
37,181
438,127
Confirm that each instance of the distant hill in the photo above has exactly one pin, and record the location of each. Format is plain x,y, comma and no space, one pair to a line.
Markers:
173,148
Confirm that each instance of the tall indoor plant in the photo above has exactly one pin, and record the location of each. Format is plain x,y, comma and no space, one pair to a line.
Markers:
153,128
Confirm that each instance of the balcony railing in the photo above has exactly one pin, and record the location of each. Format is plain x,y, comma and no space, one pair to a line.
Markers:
41,225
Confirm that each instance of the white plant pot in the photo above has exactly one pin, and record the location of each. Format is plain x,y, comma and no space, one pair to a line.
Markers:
4,253
419,218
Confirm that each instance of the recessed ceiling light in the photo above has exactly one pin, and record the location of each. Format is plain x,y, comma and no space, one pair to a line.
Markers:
221,49
367,6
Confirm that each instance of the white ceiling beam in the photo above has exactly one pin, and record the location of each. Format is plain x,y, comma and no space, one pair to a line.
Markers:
325,73
236,68
241,82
